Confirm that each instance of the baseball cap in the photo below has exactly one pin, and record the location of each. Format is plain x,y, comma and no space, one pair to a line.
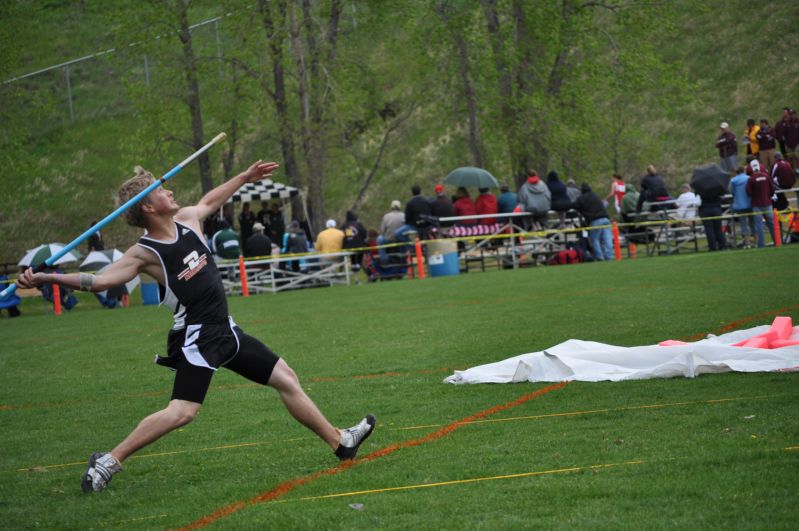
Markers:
439,188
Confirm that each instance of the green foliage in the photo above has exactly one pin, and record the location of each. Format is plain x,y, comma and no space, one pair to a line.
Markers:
595,88
708,452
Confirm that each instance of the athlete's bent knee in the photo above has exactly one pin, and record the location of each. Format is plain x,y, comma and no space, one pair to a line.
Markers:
283,377
182,412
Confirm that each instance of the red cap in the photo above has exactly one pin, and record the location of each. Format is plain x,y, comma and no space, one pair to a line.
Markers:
439,188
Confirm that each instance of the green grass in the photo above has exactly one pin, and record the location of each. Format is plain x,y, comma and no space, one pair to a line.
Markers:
711,455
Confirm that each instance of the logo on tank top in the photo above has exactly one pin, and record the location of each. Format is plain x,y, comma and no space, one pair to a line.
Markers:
195,263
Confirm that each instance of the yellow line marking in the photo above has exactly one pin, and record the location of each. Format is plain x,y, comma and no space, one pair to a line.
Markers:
419,427
466,481
162,454
595,411
139,519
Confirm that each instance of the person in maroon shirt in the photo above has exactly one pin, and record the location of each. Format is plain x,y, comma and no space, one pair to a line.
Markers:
792,140
727,145
768,142
760,188
781,126
784,178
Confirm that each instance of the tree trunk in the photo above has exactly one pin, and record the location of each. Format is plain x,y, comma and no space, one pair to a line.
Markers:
444,11
193,96
505,81
313,91
275,35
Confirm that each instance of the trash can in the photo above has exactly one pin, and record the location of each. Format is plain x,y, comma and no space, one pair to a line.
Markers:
149,293
442,258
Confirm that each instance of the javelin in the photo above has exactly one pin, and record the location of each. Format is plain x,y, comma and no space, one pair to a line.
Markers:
113,215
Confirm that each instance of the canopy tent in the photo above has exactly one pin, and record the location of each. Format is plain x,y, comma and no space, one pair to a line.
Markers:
589,361
263,191
266,190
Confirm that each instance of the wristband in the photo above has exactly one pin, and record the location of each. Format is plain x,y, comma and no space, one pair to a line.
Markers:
86,281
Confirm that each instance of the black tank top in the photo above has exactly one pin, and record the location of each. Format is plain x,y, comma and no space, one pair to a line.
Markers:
193,288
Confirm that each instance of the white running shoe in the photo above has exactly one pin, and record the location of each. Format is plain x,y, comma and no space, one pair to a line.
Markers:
102,466
352,438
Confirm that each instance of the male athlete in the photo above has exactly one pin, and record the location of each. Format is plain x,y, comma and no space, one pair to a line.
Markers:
204,337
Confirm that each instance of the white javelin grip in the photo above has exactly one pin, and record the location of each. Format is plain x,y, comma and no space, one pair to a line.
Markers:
113,215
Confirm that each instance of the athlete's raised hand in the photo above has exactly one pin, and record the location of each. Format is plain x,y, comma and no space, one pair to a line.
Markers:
260,170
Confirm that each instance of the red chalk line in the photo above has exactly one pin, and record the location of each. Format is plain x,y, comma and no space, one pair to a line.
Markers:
288,486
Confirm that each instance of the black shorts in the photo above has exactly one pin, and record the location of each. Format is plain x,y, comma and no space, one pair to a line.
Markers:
226,344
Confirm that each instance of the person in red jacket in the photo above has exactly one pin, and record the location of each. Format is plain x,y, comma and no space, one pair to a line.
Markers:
486,203
760,188
464,206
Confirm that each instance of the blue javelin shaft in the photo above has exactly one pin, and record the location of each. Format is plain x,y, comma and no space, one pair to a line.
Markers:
115,214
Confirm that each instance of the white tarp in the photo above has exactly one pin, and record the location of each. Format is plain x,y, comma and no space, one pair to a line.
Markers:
589,361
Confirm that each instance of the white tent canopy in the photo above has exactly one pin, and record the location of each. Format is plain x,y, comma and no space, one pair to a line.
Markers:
589,361
262,191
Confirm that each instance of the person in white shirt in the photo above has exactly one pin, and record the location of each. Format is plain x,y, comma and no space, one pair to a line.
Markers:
687,203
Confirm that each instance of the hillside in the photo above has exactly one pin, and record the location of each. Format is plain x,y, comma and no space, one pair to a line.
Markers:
738,57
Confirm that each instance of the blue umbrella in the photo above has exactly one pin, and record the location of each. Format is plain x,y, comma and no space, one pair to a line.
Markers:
471,177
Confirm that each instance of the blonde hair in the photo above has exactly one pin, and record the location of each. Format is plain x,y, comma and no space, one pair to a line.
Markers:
129,189
651,170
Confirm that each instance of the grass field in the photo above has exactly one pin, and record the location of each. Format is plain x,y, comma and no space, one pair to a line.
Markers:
718,451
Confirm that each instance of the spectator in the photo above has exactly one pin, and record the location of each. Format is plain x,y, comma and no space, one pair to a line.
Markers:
417,209
535,198
211,225
229,214
781,128
710,212
276,225
464,206
792,140
354,238
246,221
392,221
628,204
617,191
258,244
760,188
441,205
295,241
572,190
784,178
593,212
742,206
687,203
96,239
560,202
727,145
225,242
262,217
653,189
331,239
486,203
750,138
767,142
507,200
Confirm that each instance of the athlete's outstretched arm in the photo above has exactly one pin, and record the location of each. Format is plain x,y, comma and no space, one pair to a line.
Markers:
115,274
213,200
